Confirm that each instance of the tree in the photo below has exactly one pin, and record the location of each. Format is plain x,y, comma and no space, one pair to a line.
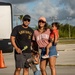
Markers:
20,17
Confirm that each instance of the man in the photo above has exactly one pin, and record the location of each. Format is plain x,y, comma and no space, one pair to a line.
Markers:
21,40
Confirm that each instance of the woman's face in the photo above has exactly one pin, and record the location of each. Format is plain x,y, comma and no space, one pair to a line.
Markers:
41,23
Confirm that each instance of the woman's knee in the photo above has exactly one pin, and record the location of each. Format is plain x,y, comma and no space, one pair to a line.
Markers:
52,66
42,68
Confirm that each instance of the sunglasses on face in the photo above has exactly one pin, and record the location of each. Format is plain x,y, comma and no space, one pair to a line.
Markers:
41,21
27,20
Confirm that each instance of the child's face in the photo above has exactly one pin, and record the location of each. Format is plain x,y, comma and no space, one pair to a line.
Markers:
54,27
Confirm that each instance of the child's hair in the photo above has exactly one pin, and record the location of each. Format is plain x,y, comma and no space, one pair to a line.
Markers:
56,24
34,52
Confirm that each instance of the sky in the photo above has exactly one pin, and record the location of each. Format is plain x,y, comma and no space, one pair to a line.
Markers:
62,11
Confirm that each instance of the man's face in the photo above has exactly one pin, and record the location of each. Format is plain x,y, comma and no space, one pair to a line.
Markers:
26,22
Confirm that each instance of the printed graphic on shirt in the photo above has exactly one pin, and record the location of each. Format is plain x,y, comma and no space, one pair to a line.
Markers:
26,32
42,36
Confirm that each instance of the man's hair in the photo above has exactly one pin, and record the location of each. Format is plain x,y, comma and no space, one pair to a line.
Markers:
26,17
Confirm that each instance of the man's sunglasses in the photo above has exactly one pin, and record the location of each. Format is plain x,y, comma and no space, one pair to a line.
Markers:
41,21
27,20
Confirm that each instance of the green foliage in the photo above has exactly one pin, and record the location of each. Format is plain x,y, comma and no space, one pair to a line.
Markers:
64,31
20,17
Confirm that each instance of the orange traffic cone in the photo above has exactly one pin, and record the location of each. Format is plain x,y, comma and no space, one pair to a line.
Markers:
2,64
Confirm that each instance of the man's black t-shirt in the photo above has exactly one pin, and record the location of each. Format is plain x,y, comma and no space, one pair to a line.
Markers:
23,37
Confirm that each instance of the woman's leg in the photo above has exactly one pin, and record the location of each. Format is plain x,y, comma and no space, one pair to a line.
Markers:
43,67
52,61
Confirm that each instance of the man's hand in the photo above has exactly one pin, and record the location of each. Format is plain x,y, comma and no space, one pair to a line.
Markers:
19,50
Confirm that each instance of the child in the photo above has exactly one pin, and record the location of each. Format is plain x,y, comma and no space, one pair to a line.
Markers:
54,35
34,62
35,65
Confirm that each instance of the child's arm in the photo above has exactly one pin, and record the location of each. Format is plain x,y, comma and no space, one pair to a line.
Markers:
36,59
50,43
56,38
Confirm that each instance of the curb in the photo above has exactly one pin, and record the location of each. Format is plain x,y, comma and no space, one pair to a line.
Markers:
65,64
67,50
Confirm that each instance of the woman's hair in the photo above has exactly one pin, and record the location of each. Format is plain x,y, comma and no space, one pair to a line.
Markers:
45,26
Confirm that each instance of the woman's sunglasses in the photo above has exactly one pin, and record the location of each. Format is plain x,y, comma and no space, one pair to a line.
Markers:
41,21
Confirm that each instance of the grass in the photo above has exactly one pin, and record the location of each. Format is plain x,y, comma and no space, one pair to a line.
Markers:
66,41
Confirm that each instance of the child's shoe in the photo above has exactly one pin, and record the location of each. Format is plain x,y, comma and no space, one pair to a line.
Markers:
45,56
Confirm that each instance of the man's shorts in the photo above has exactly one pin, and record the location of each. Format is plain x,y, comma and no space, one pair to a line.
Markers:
52,52
21,59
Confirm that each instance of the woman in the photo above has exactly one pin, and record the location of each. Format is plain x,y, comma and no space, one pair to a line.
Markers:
41,36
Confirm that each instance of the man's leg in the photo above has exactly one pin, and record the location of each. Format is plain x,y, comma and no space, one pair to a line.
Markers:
26,71
17,71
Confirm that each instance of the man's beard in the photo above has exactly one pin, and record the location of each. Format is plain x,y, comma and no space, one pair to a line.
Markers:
25,25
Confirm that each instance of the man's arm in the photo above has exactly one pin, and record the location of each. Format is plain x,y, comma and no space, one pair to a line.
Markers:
12,38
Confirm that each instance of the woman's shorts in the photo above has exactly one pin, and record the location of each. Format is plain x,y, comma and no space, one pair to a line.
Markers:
21,59
52,52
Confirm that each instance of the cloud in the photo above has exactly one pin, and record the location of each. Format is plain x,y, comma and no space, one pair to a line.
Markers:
51,9
17,1
45,8
69,6
60,11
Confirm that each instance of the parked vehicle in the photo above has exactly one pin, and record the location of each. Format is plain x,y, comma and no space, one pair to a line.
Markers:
5,27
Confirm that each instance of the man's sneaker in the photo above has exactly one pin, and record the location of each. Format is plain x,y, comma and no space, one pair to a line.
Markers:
45,56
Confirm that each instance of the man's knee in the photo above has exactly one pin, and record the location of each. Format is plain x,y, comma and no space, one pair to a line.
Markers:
18,69
26,69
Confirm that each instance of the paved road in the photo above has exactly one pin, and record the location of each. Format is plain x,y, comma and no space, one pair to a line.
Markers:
66,54
66,47
67,57
61,70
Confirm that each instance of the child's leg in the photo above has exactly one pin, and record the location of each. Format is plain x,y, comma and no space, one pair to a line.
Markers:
37,72
47,51
47,54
